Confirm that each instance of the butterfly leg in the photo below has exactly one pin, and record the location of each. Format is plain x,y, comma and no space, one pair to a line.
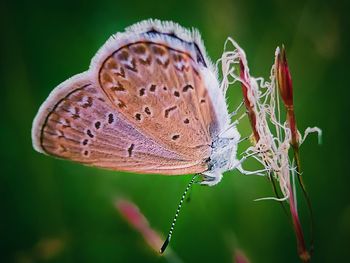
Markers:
211,178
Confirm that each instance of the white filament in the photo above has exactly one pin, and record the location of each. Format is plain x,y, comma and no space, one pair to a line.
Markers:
272,149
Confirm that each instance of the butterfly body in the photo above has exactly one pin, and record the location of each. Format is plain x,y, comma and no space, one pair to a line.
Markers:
150,103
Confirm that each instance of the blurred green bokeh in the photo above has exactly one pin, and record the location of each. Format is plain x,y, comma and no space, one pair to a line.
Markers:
43,199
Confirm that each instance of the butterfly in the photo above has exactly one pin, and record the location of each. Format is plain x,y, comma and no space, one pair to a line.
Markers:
149,103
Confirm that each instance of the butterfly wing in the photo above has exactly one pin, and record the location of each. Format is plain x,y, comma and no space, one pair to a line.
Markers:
160,83
145,105
78,123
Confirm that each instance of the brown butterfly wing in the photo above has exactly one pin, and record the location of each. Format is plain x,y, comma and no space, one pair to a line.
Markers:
161,91
78,123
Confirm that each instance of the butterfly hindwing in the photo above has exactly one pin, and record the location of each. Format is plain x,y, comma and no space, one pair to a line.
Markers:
78,123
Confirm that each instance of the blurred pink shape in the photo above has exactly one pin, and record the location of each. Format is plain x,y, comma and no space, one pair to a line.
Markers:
240,257
138,221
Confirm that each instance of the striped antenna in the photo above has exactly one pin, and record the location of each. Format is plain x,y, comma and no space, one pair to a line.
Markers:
167,241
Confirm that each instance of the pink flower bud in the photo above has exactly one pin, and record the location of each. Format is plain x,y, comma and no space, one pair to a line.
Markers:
284,78
285,86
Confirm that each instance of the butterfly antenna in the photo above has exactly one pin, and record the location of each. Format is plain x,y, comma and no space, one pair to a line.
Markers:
167,241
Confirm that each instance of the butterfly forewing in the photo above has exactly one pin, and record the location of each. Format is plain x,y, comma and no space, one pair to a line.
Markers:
79,124
160,90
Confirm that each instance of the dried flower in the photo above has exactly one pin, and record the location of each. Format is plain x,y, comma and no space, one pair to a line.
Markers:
273,136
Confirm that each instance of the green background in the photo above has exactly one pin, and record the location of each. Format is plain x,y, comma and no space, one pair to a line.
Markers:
44,43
